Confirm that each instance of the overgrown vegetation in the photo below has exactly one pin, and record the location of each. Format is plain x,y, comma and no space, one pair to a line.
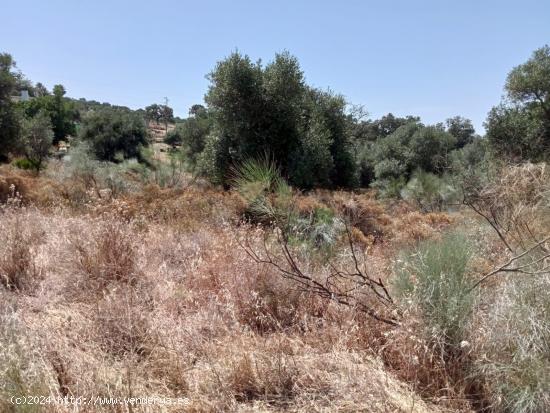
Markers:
276,250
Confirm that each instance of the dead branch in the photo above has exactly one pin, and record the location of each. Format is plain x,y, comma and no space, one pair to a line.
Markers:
340,286
523,269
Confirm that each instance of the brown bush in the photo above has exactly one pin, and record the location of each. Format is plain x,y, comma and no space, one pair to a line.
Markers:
415,226
109,256
18,270
268,377
269,303
122,325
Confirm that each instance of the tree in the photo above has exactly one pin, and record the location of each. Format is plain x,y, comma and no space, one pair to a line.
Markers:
529,83
196,110
174,137
36,139
166,114
235,99
258,111
429,149
513,133
462,129
392,156
312,163
332,111
9,119
62,114
40,90
114,135
372,130
194,132
153,113
520,128
60,109
412,146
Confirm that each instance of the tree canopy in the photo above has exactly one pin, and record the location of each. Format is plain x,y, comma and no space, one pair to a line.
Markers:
114,135
9,119
519,128
60,109
259,110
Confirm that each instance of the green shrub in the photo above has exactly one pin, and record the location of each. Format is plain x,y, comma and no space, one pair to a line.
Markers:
390,187
435,277
270,200
114,135
428,191
320,230
24,163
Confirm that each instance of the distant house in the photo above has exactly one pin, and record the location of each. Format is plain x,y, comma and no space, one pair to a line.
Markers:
23,96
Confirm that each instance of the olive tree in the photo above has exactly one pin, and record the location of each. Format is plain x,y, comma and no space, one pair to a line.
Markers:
36,139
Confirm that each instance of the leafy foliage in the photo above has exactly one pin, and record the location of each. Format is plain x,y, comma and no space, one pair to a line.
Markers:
430,192
60,109
36,139
9,119
191,134
520,130
268,196
436,277
114,135
256,109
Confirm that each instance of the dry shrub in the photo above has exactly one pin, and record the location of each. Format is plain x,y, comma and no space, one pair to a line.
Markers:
122,325
21,372
18,270
108,256
363,212
11,180
270,303
184,312
283,374
420,358
267,377
307,204
510,344
415,226
187,209
516,203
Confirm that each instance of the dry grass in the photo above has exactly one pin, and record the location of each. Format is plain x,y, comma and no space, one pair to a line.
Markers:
18,243
148,293
124,310
106,256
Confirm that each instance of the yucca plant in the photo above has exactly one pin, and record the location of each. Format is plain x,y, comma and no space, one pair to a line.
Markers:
268,196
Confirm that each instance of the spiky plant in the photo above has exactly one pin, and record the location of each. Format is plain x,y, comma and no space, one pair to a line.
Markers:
268,196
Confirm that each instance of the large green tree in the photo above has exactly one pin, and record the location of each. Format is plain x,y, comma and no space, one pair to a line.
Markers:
36,139
270,110
191,134
114,135
9,119
61,110
412,146
519,128
366,133
462,129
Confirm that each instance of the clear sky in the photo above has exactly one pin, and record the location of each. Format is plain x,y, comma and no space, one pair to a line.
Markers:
432,58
